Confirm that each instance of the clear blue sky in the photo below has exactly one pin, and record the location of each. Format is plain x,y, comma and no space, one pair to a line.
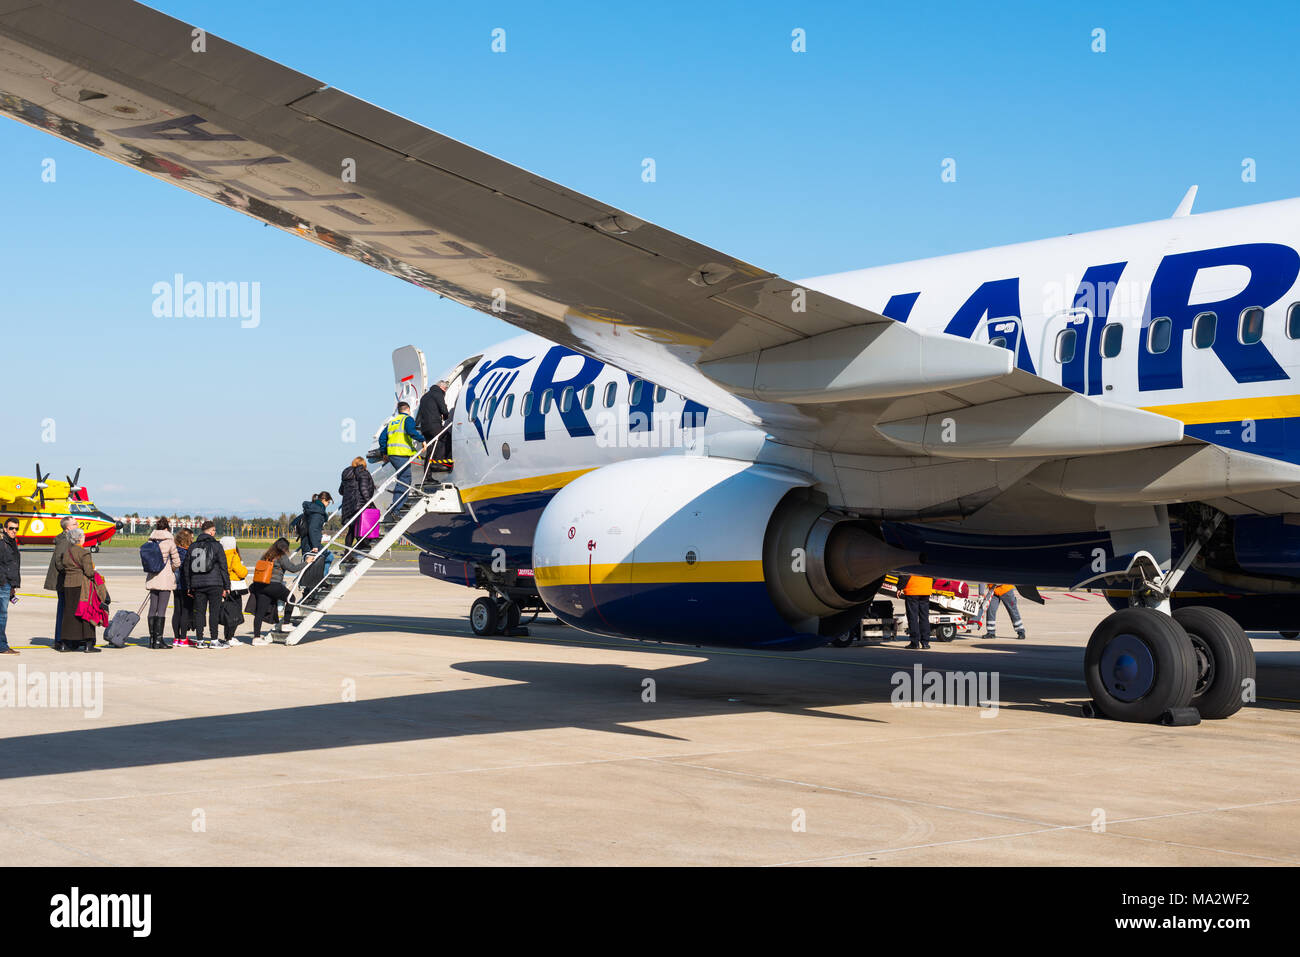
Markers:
801,163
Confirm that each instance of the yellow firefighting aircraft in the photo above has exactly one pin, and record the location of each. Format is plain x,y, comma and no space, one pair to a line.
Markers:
39,504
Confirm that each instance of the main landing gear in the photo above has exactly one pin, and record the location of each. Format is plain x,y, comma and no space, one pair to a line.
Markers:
1145,663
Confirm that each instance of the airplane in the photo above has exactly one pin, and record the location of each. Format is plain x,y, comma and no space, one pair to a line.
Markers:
40,504
688,448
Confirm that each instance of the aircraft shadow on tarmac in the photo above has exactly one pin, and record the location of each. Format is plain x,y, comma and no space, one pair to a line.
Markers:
601,697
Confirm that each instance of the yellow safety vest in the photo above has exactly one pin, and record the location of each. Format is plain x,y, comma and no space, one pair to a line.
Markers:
398,441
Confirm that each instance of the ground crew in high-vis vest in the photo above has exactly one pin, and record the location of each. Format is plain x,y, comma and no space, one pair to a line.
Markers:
1007,595
399,442
916,599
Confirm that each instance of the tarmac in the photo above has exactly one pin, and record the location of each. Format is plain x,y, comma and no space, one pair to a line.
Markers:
395,736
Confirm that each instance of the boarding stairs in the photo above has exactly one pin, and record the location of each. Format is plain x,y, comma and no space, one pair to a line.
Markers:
428,495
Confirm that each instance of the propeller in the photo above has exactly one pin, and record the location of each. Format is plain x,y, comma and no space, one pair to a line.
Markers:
72,482
40,483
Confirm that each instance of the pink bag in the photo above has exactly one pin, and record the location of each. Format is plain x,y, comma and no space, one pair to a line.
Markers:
91,610
368,523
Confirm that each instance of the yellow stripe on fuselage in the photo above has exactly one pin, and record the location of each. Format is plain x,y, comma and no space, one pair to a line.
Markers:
1231,410
648,573
534,483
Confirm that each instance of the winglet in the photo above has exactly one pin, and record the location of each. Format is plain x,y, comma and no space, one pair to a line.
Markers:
1185,207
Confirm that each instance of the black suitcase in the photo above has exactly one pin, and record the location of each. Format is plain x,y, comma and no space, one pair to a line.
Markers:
311,577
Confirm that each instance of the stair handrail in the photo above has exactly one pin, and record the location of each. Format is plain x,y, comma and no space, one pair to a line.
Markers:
348,550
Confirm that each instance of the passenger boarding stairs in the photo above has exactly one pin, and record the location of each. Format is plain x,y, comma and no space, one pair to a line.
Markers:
425,497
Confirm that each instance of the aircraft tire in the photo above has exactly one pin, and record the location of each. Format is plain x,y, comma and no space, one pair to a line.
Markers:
509,616
483,617
844,640
1139,664
1225,660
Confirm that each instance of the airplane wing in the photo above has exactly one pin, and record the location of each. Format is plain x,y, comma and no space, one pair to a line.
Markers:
814,371
14,487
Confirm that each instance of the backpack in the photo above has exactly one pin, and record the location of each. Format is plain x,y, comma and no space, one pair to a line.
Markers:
151,558
300,527
262,572
201,559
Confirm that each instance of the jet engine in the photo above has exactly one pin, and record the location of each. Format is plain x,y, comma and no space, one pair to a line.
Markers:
702,550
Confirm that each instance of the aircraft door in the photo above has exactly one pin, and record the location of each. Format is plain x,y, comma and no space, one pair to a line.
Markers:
1070,348
410,375
1004,331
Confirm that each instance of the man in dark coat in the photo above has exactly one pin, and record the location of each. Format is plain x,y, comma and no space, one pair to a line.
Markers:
54,576
208,576
430,419
11,564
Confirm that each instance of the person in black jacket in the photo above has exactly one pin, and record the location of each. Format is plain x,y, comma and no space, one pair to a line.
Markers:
312,532
357,489
313,518
11,564
430,418
208,577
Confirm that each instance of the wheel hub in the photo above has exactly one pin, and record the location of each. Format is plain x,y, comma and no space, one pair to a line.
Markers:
1204,664
1127,668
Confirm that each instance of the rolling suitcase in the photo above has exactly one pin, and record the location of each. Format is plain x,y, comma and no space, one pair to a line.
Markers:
119,629
311,577
368,524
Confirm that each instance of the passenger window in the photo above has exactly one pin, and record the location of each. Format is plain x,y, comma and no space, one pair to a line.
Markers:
492,407
510,406
1203,327
1159,335
634,397
546,401
1112,340
588,394
1065,343
1251,328
566,399
660,392
527,407
1293,321
473,410
611,391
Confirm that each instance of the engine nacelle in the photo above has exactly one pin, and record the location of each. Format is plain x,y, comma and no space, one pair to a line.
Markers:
702,550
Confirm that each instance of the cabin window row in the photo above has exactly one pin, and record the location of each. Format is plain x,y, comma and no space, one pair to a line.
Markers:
568,396
1250,329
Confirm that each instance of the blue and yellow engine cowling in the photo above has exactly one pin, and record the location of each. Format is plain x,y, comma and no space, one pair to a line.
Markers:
700,550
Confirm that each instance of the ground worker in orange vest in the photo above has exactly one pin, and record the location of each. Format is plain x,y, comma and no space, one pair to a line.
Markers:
916,599
1007,595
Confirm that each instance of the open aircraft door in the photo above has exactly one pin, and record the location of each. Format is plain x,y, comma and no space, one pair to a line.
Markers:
456,379
410,375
